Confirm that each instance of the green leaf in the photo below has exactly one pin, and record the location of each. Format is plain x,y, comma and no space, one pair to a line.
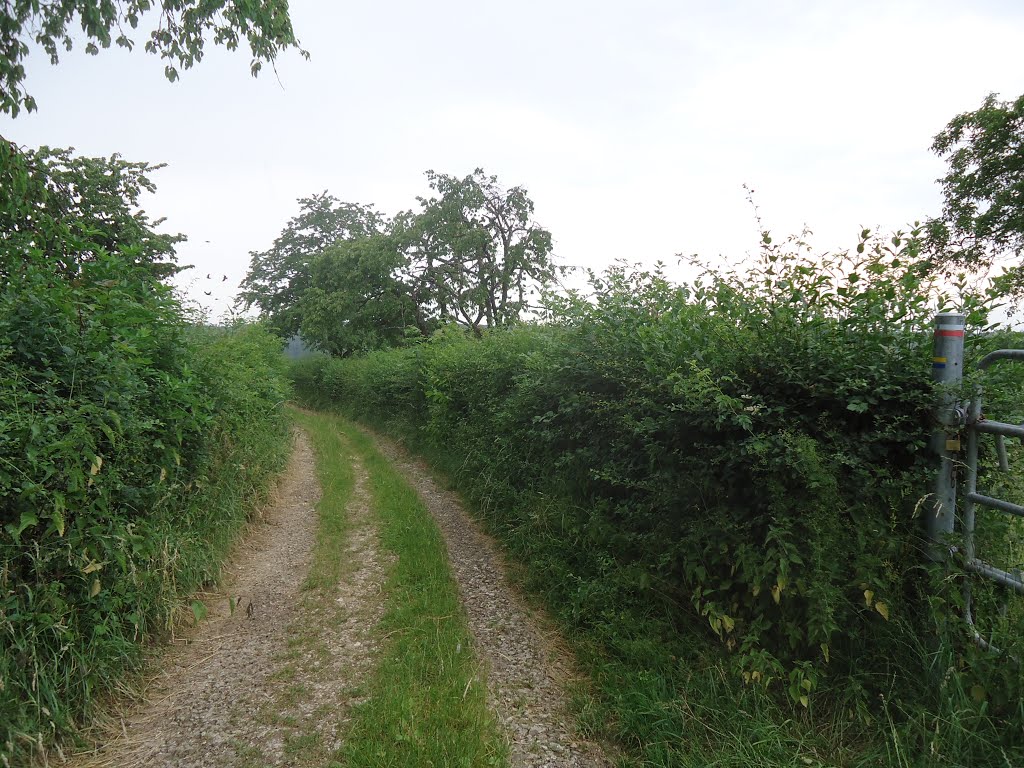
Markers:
27,520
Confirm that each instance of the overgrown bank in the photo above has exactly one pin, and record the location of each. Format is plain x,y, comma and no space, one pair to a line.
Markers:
132,442
717,489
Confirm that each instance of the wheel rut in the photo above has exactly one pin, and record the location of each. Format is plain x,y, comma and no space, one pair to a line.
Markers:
526,668
268,677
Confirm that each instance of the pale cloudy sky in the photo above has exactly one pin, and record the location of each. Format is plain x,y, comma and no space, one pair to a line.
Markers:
633,125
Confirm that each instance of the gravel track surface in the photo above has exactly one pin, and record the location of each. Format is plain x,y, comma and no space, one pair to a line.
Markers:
218,698
526,667
245,686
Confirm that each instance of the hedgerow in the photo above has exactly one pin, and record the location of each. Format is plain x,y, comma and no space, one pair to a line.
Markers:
741,461
132,446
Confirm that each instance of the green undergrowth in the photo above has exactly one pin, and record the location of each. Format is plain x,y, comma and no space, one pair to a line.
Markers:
134,440
131,458
718,489
425,703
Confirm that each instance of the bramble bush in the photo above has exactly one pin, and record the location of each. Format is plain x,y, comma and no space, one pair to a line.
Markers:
132,447
747,453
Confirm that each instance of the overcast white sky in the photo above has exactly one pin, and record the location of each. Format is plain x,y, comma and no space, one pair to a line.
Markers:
633,125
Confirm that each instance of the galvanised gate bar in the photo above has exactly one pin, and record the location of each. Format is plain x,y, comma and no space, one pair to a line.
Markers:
952,417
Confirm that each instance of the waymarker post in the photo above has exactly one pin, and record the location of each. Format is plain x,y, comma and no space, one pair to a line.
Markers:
948,372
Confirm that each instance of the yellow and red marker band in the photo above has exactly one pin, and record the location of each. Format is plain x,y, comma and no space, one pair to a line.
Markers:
946,331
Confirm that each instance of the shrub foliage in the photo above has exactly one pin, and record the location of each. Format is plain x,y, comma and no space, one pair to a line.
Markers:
131,444
747,453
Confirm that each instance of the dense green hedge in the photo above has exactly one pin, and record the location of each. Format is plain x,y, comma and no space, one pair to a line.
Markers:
131,447
749,452
133,443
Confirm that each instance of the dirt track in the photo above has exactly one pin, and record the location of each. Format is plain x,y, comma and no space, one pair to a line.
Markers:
269,676
221,697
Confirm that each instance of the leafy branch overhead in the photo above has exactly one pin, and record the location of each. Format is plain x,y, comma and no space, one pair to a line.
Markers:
179,37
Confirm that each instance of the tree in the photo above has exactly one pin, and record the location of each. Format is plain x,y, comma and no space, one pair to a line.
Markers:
477,256
279,277
983,191
67,210
179,37
350,281
356,301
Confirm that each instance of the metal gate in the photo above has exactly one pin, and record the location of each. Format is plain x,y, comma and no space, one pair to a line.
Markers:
956,418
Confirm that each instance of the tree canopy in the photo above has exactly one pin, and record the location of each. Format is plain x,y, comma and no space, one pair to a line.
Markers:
476,255
356,301
983,190
280,276
179,37
351,280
